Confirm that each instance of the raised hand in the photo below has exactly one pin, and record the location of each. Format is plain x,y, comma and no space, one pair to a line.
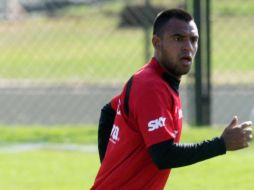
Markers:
237,136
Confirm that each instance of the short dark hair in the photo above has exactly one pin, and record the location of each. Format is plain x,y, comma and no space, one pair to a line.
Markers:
164,16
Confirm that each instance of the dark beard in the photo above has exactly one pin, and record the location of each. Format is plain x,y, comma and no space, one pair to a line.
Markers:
167,65
172,68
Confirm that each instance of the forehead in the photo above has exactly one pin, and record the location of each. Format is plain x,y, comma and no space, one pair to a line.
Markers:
176,26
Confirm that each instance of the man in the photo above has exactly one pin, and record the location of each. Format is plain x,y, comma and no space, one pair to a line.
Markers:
146,118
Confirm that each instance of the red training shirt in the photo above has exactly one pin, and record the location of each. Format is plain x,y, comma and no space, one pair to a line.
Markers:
155,115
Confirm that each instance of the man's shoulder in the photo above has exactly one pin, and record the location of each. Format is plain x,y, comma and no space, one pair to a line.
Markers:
148,78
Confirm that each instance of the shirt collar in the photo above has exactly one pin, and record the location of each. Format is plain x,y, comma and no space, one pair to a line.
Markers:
171,81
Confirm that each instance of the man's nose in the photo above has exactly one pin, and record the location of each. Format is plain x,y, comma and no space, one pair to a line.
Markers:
188,46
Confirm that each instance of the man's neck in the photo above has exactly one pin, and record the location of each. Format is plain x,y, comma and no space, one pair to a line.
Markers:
167,70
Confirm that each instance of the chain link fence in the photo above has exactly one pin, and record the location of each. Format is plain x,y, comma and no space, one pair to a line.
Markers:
62,60
232,60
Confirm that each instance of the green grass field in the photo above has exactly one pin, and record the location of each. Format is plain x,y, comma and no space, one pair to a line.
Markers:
86,44
74,170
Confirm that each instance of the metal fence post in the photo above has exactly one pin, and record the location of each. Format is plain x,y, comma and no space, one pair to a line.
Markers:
3,9
201,13
147,52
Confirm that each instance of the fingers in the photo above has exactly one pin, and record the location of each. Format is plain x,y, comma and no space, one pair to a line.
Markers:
247,132
247,141
246,144
237,136
234,122
246,124
248,137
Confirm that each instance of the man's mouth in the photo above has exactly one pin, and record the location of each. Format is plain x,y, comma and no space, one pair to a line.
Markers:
186,59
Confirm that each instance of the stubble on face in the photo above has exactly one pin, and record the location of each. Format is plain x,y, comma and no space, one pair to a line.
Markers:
178,47
171,64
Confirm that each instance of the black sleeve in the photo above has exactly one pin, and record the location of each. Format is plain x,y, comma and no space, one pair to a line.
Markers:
106,121
168,154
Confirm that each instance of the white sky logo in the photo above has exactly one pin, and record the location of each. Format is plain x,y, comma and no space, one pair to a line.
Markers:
155,124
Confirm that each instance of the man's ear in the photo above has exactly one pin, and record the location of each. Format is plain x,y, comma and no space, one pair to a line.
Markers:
156,42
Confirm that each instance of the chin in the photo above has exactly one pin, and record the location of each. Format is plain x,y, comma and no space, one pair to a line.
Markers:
183,73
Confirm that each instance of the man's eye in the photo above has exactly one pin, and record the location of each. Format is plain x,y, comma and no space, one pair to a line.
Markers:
194,39
178,38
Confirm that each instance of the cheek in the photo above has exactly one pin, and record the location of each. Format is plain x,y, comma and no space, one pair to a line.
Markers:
195,48
169,49
195,51
171,53
166,53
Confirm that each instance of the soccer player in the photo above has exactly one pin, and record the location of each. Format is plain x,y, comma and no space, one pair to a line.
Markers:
140,129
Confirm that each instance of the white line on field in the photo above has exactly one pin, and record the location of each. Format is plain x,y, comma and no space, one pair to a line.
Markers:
16,148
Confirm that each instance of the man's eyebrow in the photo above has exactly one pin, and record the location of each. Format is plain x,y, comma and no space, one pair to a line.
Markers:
178,34
183,35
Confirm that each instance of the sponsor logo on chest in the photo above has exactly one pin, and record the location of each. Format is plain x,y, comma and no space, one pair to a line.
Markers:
156,124
114,135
